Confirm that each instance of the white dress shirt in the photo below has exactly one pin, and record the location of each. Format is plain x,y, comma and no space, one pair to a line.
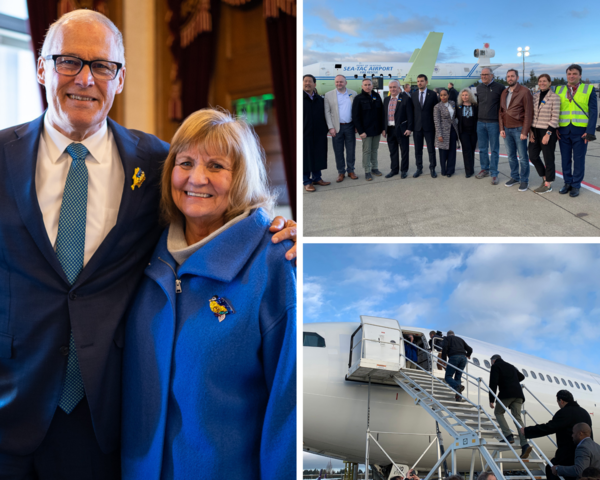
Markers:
344,106
106,179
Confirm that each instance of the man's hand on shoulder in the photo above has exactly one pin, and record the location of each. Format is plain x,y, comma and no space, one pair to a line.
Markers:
286,230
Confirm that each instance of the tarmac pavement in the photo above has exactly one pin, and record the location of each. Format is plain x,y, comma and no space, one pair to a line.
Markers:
450,207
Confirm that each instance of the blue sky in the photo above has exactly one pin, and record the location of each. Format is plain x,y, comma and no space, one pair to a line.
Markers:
559,33
541,299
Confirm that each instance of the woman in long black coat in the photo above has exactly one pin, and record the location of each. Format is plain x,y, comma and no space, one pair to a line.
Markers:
314,136
466,113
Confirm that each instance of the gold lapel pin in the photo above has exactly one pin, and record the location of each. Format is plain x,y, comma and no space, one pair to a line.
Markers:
138,178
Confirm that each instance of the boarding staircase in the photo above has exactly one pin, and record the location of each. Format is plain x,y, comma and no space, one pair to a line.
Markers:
471,427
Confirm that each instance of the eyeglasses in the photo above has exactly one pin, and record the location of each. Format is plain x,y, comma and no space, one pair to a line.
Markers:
485,74
71,66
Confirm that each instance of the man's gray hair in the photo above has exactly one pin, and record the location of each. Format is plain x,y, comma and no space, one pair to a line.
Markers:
450,333
89,17
485,476
488,69
394,81
471,96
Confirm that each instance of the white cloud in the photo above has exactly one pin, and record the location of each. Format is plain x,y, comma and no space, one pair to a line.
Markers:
313,300
417,311
394,250
524,295
384,26
439,270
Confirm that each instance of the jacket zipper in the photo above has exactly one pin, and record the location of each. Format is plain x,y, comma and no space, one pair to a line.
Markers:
177,281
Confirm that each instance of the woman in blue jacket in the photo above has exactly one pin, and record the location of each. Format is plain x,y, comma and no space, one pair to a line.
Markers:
209,375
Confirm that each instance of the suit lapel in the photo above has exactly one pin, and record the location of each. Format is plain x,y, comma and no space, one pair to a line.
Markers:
22,155
132,156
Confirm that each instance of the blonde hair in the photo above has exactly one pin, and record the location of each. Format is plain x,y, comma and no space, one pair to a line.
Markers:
217,132
89,17
471,96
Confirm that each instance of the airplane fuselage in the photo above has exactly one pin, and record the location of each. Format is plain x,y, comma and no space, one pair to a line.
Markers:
463,75
335,410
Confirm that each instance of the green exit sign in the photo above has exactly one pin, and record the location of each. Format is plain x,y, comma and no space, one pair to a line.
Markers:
255,110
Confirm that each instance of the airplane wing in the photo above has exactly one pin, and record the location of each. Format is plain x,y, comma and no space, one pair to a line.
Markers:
425,59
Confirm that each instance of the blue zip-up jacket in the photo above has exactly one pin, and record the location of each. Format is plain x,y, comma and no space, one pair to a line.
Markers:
203,398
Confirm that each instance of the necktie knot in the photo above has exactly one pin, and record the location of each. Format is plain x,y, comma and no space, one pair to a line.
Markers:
77,151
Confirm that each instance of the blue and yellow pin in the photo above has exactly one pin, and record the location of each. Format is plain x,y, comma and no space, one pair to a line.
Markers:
220,307
138,178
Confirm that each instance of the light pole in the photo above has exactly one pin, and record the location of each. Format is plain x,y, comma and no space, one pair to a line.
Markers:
523,52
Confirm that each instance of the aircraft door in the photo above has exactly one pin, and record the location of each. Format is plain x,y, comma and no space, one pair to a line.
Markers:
382,340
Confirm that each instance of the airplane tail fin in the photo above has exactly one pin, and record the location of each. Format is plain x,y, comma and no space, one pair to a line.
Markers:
414,55
425,58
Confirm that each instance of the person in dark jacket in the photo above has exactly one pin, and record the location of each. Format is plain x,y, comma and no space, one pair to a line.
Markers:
314,137
423,101
507,379
452,92
435,341
397,126
562,424
456,350
488,128
411,352
367,116
466,114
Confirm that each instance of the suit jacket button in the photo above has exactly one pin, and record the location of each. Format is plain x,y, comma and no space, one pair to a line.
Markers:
72,295
64,350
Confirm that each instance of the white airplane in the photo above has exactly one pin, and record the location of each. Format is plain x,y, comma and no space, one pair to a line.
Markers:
422,61
335,409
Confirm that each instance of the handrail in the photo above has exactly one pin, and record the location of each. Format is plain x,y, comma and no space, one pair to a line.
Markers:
480,410
539,401
489,391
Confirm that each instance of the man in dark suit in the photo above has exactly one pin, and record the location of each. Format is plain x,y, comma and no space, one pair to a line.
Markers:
79,218
397,126
562,424
423,101
507,379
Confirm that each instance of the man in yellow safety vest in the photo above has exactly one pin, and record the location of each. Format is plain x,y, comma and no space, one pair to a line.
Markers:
577,122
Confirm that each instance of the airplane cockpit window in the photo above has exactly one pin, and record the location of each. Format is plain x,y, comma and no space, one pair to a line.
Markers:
589,388
564,383
487,364
542,377
476,361
583,386
556,380
576,384
549,378
311,339
533,374
525,372
570,383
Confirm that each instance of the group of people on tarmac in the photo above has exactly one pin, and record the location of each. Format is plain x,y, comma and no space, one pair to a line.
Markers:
577,454
531,126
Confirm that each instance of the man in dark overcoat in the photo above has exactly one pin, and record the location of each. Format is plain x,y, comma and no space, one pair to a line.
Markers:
562,424
315,135
507,379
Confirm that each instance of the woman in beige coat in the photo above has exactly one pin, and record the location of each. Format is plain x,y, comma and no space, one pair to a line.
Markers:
542,137
446,132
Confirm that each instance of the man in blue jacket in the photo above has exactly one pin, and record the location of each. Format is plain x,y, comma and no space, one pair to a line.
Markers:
79,218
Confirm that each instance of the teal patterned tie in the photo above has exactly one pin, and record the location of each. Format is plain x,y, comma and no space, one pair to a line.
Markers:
70,246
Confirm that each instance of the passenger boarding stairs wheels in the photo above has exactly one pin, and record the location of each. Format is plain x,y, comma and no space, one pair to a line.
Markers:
378,356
